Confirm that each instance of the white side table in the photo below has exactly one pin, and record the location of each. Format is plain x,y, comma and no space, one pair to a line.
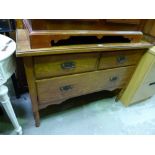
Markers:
7,68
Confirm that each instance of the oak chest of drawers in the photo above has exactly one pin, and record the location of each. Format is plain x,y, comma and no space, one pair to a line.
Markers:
58,73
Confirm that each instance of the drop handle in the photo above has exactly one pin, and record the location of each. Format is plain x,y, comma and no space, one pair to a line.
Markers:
66,88
153,83
68,65
113,78
121,59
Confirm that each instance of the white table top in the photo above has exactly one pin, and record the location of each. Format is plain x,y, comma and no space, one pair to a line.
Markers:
7,47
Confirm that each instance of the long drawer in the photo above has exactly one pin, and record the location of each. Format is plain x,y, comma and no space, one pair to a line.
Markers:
121,58
79,84
56,65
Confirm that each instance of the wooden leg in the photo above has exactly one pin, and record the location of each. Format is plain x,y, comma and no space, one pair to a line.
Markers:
28,63
37,118
5,101
119,95
117,98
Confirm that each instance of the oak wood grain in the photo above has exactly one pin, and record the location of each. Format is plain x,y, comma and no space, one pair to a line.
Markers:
23,47
43,32
54,65
149,27
118,59
84,24
65,87
28,64
124,21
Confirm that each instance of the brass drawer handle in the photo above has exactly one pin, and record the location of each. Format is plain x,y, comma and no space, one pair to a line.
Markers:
68,65
153,83
113,78
66,88
121,59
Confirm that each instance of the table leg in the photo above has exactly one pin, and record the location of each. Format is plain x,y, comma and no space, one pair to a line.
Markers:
5,101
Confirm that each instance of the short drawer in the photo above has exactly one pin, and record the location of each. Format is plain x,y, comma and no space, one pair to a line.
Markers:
65,87
56,65
118,59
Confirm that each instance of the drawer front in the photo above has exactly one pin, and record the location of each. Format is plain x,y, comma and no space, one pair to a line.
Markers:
145,91
150,77
79,84
56,65
118,59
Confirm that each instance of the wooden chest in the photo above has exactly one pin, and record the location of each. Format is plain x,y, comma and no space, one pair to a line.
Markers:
58,73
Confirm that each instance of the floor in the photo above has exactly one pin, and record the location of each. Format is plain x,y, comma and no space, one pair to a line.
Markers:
87,115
